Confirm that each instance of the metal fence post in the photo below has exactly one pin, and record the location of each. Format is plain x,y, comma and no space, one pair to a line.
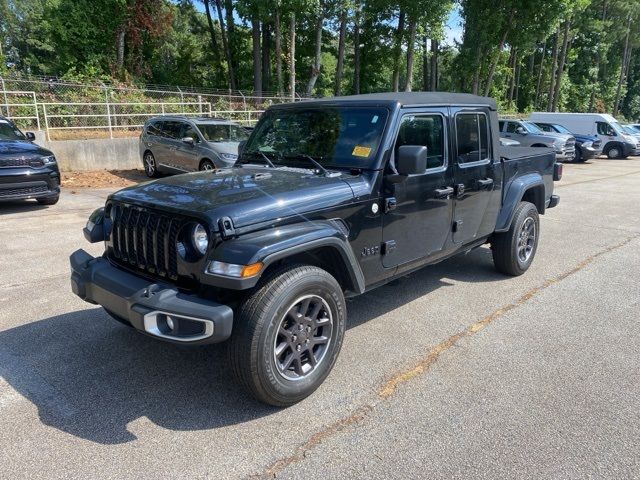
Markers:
35,106
244,100
181,100
200,104
46,121
4,91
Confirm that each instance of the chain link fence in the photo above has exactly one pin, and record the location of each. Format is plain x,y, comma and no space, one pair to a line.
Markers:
70,110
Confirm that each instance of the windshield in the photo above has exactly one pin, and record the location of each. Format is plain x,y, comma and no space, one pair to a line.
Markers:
562,129
630,130
333,136
531,127
222,132
634,129
617,127
9,131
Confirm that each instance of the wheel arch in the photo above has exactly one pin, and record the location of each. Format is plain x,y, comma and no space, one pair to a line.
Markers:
205,159
528,188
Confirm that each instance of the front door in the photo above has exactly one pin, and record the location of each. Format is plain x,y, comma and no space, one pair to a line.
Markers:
474,180
186,153
418,220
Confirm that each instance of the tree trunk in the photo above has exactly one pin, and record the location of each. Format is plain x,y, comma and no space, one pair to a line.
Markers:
561,63
120,37
512,80
266,57
616,104
397,52
425,64
518,66
214,42
315,68
337,89
554,63
413,24
538,85
478,67
231,35
225,47
435,48
596,80
292,57
257,65
278,41
494,63
356,55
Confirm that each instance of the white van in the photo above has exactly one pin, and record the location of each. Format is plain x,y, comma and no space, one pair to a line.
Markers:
615,142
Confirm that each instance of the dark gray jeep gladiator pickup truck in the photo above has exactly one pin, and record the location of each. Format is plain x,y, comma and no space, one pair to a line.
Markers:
329,199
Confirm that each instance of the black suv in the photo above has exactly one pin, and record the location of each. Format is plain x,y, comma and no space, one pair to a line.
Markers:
26,169
329,199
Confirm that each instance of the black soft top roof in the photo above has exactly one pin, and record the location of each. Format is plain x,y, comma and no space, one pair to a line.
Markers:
405,99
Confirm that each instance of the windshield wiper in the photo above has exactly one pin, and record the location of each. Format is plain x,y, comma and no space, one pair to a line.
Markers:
266,159
319,168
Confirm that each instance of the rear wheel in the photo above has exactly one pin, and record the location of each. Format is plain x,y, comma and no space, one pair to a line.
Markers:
150,165
514,250
288,335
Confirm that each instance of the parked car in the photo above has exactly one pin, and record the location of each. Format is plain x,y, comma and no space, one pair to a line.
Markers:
26,169
529,135
587,146
615,142
633,131
180,144
330,198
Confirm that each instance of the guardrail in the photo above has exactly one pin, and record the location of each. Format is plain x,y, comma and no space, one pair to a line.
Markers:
7,107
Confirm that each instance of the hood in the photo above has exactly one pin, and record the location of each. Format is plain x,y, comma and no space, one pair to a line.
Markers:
585,138
20,148
224,147
563,136
246,195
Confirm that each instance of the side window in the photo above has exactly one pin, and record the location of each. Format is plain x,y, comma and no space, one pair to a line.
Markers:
512,127
427,130
501,123
605,129
171,129
472,137
544,127
154,129
190,131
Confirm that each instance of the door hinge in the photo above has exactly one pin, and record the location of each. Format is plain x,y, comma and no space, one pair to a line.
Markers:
225,225
388,247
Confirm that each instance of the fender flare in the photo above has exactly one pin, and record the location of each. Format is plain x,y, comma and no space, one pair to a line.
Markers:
513,196
278,243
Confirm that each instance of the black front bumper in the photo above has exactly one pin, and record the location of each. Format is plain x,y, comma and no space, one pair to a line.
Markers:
19,183
156,309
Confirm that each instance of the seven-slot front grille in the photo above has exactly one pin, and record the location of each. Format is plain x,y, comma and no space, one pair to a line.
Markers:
146,240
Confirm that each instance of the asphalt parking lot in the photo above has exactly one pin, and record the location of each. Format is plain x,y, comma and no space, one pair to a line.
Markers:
453,372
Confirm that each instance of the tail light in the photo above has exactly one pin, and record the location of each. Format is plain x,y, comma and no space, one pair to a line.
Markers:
557,171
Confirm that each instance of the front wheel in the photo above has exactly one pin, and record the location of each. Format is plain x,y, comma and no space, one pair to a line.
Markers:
614,152
513,251
150,166
287,335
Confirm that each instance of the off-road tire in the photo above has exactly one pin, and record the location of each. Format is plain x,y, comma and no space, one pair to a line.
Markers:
48,200
506,246
251,348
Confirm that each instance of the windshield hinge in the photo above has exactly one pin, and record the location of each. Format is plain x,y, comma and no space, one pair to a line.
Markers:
226,228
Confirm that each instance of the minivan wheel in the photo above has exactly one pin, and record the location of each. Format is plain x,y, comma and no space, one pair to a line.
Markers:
614,152
287,335
513,251
207,165
150,166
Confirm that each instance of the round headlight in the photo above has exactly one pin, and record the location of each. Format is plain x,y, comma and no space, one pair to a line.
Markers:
200,239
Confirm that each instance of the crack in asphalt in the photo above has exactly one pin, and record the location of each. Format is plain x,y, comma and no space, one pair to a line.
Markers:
389,387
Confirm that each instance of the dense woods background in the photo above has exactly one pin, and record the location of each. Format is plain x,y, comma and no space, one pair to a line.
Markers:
569,55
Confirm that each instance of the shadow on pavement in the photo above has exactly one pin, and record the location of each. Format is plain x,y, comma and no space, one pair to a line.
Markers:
21,206
89,376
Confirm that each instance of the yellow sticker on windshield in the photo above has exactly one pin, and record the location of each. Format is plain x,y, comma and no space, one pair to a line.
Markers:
360,151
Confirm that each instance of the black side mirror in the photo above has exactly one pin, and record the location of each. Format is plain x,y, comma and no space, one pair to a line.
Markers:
189,141
241,146
30,136
412,159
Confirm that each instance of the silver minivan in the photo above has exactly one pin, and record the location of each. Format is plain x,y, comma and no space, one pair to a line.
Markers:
179,144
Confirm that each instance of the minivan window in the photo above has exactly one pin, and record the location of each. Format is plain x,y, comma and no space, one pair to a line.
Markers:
472,136
8,131
427,130
190,131
171,129
155,128
222,132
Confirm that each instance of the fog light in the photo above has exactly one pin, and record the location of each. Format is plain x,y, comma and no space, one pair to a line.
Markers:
170,323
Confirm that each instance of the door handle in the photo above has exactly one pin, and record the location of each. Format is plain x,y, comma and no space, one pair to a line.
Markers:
485,183
444,192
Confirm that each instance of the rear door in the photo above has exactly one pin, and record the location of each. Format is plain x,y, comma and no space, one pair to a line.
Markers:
420,223
475,175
